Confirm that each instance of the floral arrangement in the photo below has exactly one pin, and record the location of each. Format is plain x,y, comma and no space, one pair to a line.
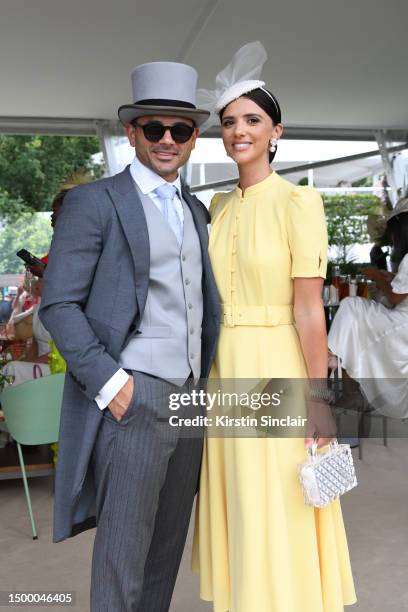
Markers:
5,381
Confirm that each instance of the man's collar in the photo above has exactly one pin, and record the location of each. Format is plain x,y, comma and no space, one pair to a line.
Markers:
147,180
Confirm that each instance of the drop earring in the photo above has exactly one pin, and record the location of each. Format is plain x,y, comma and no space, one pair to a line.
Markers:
273,143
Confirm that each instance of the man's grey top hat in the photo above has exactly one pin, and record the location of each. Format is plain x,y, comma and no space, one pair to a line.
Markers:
163,88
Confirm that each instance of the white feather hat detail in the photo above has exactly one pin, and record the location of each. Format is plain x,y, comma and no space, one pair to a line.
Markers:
239,77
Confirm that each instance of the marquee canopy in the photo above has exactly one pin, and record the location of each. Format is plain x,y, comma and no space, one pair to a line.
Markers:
334,66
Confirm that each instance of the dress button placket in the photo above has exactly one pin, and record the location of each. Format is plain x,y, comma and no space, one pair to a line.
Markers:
233,257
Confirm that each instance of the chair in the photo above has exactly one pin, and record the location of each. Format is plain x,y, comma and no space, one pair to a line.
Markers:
363,409
32,414
367,410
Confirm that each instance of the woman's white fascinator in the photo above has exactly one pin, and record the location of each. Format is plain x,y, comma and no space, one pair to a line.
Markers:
238,78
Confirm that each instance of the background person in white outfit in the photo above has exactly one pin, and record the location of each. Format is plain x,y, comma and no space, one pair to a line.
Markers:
372,340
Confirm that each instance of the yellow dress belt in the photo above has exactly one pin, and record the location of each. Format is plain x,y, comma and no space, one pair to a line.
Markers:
263,316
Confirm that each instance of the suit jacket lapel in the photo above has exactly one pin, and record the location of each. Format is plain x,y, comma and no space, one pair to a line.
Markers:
201,218
199,222
132,218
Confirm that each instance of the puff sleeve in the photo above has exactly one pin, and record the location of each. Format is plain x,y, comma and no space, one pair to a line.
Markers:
399,283
307,234
213,205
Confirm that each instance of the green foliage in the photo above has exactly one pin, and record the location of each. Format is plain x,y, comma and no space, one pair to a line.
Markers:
32,232
303,181
5,380
11,208
367,181
347,217
32,169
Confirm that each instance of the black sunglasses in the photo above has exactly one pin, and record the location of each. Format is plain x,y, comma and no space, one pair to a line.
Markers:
154,131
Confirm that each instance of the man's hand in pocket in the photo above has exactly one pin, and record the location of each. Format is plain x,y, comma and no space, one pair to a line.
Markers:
121,401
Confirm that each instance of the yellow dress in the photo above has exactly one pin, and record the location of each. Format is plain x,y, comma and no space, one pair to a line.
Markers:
257,546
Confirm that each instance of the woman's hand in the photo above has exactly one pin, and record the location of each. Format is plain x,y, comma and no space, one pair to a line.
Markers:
382,279
36,269
321,425
387,275
374,274
371,273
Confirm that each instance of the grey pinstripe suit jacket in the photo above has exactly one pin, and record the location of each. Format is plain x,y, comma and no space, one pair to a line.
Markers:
94,296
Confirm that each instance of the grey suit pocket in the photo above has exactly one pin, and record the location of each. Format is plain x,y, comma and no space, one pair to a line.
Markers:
131,409
134,404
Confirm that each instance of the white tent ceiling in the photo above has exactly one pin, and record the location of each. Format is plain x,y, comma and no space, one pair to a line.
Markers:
332,63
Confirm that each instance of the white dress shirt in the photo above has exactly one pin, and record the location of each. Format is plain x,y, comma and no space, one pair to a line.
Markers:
147,181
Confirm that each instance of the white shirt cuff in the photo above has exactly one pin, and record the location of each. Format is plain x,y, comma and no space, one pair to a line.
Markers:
111,388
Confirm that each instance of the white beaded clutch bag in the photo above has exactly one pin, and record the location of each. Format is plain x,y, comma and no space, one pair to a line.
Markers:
325,476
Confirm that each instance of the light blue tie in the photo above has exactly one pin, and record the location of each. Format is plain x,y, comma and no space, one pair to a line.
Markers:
166,193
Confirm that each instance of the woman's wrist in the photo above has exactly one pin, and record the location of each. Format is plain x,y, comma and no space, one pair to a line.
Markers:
320,392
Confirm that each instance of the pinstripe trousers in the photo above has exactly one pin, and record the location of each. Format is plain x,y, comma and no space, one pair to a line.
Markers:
146,477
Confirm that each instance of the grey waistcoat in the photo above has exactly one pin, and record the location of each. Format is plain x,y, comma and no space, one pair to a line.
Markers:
168,341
